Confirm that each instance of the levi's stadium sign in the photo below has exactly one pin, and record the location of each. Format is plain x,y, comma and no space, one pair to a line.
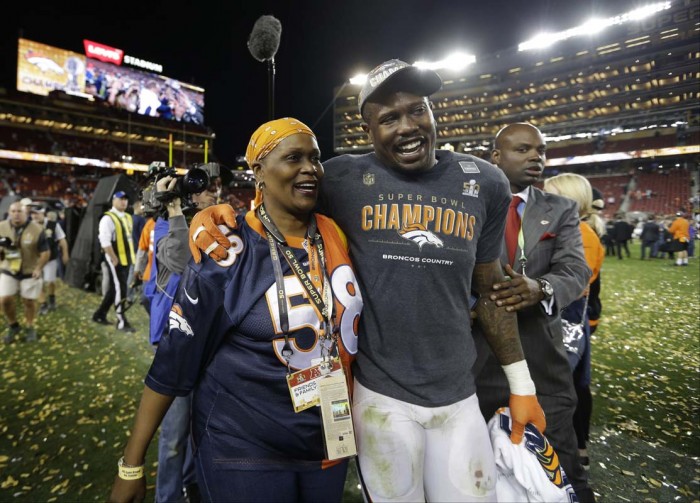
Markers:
103,52
115,56
142,63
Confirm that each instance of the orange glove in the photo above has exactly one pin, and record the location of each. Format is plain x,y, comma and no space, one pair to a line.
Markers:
205,234
525,409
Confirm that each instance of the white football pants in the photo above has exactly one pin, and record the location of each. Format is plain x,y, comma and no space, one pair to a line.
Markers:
412,453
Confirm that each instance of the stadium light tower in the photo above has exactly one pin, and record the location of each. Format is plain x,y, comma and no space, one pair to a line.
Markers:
592,26
454,62
358,79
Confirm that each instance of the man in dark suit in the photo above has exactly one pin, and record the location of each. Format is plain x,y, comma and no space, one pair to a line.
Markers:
650,237
548,271
623,233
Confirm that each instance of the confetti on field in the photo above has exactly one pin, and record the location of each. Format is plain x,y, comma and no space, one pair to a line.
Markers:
67,402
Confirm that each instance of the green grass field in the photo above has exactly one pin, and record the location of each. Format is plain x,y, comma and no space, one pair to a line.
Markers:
67,402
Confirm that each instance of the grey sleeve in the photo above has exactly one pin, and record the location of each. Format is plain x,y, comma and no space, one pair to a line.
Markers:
569,273
172,251
141,261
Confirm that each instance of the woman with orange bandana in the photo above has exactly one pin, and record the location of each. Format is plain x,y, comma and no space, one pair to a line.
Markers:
264,338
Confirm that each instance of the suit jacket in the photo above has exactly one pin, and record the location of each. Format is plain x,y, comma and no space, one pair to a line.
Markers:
554,251
650,231
623,231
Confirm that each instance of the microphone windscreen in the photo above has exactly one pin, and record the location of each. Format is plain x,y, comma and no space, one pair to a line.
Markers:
264,39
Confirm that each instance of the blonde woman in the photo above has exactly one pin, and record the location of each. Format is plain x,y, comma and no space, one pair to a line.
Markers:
576,187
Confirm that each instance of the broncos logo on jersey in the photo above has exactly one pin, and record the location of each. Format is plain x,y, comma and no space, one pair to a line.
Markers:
420,235
178,322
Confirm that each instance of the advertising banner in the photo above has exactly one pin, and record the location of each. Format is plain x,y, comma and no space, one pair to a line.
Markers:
42,68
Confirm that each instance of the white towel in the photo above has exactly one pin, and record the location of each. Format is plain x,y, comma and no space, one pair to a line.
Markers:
529,471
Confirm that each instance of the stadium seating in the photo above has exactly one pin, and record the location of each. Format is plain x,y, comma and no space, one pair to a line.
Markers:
662,193
613,189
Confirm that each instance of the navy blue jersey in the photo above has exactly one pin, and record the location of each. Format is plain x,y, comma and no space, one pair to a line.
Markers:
225,342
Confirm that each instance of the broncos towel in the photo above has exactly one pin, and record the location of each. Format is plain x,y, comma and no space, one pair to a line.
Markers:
529,471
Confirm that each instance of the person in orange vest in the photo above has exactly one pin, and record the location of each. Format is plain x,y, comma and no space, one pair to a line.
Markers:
144,259
680,230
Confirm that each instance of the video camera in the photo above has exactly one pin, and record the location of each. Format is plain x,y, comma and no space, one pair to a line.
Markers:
10,252
147,203
6,243
194,181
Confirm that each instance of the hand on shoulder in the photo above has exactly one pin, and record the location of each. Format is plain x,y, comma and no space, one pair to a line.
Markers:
205,235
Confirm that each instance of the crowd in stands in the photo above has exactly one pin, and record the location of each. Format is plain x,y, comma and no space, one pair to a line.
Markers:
72,186
44,142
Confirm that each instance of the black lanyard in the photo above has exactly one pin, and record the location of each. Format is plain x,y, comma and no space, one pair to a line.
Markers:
276,241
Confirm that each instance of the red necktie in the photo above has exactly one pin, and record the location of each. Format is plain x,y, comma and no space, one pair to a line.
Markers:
512,228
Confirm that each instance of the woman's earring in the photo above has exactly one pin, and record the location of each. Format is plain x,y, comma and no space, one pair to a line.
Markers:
260,185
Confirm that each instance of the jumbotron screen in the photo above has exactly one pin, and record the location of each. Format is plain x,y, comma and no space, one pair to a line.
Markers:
42,68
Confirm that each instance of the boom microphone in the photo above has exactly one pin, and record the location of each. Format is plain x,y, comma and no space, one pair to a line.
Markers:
264,39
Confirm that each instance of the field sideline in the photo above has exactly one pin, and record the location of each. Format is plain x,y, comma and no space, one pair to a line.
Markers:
67,402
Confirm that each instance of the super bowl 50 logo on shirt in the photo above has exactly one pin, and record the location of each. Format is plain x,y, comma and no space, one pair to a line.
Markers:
471,189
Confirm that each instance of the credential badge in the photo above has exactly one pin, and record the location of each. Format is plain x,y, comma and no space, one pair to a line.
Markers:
368,178
469,167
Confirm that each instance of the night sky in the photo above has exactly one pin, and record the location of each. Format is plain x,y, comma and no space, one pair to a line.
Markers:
324,42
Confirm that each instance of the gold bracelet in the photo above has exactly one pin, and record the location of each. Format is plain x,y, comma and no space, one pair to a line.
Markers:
129,472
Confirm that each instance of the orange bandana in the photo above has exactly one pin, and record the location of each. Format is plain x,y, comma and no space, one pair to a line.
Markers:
267,137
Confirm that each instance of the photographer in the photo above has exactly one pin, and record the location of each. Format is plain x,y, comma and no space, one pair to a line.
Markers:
171,254
24,252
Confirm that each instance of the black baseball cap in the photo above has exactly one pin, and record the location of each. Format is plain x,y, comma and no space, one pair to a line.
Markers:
402,77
